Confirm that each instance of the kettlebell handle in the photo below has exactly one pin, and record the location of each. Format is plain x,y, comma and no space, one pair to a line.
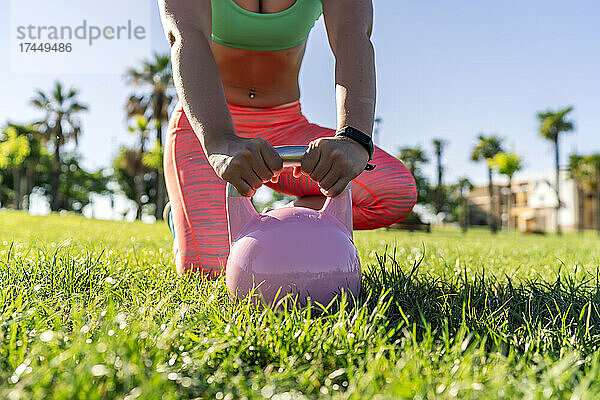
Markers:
240,209
291,156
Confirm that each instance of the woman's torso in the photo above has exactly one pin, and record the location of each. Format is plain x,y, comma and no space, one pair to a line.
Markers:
260,78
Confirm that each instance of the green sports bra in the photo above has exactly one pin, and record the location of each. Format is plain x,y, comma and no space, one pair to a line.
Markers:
234,26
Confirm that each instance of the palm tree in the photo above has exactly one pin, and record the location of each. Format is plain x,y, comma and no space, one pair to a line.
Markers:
595,161
130,172
580,173
552,124
463,186
413,157
134,160
34,168
14,150
485,149
154,79
508,164
586,172
438,145
60,126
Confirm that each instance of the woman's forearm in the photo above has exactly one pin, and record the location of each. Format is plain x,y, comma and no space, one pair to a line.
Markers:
188,26
355,84
243,162
199,87
349,24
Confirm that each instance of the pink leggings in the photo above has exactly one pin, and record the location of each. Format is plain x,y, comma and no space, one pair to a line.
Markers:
380,197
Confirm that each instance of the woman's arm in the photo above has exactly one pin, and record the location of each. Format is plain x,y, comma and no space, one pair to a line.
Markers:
188,25
245,163
349,24
334,162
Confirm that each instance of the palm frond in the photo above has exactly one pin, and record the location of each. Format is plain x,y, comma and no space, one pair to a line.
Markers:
57,93
136,105
40,100
487,147
553,123
75,107
71,94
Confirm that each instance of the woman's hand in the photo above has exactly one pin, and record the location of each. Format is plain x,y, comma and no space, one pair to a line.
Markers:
333,162
245,163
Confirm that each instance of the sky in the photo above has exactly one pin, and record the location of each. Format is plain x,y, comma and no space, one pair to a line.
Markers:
445,69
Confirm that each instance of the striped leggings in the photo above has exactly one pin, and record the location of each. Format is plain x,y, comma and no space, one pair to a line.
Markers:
380,197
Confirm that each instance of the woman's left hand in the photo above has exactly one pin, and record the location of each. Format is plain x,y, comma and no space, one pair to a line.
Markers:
333,162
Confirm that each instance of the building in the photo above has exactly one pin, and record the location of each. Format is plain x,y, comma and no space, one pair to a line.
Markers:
533,201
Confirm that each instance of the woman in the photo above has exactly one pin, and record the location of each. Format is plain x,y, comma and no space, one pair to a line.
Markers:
235,66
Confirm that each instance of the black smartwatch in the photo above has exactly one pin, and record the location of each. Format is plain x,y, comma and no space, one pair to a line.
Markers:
361,138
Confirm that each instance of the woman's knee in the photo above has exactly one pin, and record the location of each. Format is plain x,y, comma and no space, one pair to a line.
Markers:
401,197
386,198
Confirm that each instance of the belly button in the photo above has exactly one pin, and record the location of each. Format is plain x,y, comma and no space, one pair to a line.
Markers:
252,94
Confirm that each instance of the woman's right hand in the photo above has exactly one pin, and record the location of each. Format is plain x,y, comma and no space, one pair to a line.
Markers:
245,163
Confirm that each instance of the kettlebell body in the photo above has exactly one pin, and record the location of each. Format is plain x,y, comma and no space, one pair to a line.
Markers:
292,250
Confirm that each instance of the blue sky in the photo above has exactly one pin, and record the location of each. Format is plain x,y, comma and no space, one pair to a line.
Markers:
445,69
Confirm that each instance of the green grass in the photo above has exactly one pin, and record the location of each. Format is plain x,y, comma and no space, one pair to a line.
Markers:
92,309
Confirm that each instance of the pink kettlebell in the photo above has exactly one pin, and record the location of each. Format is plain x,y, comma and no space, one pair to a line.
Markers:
293,250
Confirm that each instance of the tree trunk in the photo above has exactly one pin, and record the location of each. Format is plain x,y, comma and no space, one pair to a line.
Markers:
29,182
24,199
160,180
139,192
412,168
557,168
598,207
138,179
509,203
464,218
492,215
160,195
580,199
18,187
55,179
439,202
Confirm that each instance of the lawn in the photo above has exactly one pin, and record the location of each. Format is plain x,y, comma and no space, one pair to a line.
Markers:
93,309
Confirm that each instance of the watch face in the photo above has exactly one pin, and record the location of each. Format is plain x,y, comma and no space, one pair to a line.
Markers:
359,137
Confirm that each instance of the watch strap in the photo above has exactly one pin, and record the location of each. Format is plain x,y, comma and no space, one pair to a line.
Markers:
359,137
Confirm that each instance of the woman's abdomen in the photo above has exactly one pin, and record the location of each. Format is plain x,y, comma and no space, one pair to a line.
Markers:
259,78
